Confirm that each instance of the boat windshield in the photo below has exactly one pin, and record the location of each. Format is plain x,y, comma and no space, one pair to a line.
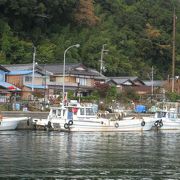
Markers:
89,111
172,115
161,114
54,112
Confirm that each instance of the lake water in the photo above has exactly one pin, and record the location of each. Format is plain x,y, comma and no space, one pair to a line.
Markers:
58,155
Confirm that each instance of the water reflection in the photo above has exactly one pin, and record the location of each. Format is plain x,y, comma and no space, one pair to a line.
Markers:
153,155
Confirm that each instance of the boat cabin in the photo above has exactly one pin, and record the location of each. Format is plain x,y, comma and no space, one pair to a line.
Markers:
166,114
73,112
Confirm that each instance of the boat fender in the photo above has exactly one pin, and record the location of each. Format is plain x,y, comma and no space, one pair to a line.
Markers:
49,124
116,125
143,123
156,123
70,122
66,126
160,123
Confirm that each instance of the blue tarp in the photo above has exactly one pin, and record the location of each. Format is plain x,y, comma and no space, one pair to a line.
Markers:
140,109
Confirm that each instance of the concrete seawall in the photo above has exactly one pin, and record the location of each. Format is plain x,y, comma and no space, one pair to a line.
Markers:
30,114
25,125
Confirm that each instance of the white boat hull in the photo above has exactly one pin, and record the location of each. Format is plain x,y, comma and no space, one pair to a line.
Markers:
10,123
113,126
83,118
168,124
100,125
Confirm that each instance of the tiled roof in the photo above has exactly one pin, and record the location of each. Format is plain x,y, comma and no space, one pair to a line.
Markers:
123,79
157,83
20,72
23,67
4,69
119,80
132,78
73,69
15,67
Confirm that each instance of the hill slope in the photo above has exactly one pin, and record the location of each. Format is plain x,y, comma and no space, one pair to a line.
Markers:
137,34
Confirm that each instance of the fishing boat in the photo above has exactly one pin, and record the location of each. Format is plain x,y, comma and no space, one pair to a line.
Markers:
78,117
10,123
168,116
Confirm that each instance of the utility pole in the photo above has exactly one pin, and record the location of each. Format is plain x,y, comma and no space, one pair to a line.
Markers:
173,49
152,82
45,86
34,59
101,60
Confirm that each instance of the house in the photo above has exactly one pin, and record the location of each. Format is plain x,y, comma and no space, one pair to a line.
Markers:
156,85
77,78
126,83
7,90
48,79
22,76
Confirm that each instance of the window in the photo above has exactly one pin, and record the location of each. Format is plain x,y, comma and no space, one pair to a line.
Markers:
82,81
52,79
81,111
89,111
59,112
28,78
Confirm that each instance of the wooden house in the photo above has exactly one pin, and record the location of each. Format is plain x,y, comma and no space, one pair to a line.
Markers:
78,78
129,83
7,90
23,77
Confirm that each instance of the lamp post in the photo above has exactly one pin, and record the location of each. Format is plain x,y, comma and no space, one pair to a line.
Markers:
75,45
101,60
173,47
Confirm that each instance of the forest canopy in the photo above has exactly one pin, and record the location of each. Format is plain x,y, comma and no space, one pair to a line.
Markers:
137,34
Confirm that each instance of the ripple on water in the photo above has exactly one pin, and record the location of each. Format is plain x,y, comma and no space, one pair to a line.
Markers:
36,154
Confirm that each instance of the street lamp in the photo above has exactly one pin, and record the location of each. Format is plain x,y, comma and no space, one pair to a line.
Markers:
174,47
101,60
75,45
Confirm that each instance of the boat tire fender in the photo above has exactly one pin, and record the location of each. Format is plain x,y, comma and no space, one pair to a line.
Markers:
143,123
116,125
66,126
160,123
70,122
156,123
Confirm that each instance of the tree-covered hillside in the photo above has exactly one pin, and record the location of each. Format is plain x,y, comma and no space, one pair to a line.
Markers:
137,33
